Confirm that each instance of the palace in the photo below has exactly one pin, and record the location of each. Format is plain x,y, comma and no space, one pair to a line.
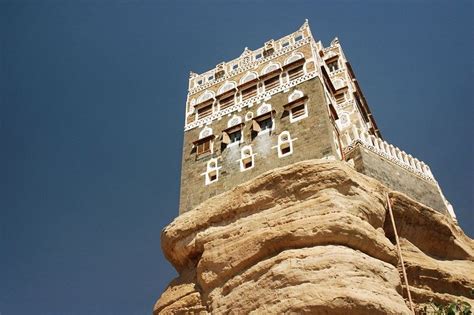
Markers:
291,100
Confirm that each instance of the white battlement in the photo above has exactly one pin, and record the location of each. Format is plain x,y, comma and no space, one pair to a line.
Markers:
354,136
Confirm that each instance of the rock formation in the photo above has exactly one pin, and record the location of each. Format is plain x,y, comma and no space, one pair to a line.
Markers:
313,237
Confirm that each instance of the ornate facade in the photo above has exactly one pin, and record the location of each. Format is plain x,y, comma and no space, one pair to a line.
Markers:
291,100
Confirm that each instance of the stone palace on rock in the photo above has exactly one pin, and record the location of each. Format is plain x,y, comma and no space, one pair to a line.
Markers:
291,100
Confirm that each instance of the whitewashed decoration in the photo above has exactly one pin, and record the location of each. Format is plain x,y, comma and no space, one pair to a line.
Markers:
295,56
295,95
248,77
338,83
248,116
205,132
271,67
205,96
226,87
265,108
234,121
344,119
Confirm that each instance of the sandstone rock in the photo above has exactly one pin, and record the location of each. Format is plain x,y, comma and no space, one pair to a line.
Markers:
312,237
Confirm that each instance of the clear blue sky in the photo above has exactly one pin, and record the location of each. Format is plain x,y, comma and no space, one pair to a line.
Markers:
91,124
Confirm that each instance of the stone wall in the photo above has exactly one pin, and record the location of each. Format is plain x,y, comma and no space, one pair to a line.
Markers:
314,139
397,178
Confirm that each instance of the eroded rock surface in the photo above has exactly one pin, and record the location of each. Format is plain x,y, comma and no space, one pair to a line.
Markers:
313,237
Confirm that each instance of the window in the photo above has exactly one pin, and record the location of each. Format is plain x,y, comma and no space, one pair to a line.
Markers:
272,82
266,123
333,65
249,92
258,56
298,111
340,98
232,134
295,72
204,144
226,102
246,158
210,78
285,144
212,172
204,111
285,44
297,106
235,66
298,38
235,136
203,147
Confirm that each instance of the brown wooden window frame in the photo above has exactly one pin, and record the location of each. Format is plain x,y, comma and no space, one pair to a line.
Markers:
204,145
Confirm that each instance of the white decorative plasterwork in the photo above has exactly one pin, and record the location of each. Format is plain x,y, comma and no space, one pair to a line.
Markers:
205,96
249,66
235,120
295,56
272,66
295,95
250,101
228,85
248,77
207,131
264,108
354,137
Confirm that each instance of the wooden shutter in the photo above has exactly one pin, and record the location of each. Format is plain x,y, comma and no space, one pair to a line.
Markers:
256,126
225,138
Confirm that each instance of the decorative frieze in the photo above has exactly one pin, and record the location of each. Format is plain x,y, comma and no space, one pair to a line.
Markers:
249,102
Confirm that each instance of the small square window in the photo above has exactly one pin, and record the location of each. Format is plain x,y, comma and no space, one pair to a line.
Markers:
235,66
298,38
298,111
210,78
258,56
285,150
212,177
199,82
285,44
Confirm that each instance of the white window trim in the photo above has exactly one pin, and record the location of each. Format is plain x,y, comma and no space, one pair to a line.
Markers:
210,170
242,158
289,141
295,119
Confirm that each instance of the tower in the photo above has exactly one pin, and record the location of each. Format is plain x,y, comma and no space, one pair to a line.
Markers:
291,100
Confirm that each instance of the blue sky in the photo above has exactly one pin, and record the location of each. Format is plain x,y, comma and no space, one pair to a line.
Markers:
91,124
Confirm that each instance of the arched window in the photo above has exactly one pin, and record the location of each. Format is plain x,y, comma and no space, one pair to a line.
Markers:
297,106
285,144
246,158
212,172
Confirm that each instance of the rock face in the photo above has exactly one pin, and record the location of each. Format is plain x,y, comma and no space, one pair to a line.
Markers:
313,237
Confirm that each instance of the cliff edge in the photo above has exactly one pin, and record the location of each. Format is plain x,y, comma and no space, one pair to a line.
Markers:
313,237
